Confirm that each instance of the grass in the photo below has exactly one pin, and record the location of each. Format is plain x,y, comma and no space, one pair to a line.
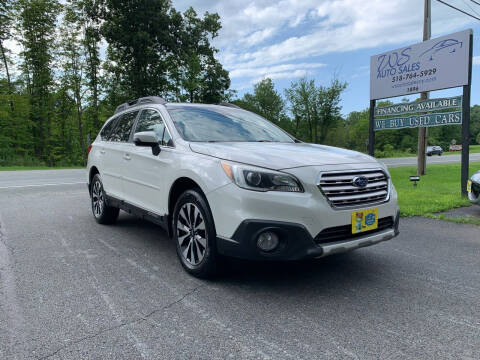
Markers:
18,168
437,191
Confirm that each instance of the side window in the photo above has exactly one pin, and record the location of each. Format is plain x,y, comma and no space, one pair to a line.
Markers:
107,129
122,131
150,120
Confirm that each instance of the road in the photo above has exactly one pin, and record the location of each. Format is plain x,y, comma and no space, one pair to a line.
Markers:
445,159
22,179
73,289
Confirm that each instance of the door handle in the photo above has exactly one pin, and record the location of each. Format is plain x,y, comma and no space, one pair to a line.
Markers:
126,156
102,151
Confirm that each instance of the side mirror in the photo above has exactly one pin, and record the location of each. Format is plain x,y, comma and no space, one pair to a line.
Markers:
147,138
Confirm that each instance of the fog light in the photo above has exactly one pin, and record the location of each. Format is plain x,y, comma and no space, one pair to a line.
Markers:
267,241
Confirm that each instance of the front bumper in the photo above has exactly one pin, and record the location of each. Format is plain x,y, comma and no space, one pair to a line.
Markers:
295,241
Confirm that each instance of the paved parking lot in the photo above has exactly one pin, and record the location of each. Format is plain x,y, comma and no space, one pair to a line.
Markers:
73,289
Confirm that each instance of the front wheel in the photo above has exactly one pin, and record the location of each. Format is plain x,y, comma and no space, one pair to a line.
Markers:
194,234
102,213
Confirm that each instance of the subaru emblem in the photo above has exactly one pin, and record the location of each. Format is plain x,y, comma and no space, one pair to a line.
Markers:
360,181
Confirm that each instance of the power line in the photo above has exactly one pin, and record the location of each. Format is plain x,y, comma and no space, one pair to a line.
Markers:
462,11
470,7
475,2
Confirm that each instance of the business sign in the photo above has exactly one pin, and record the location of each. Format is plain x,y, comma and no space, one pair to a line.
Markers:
413,121
419,106
430,65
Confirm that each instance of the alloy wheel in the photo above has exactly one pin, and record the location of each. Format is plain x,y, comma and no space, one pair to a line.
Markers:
97,199
191,233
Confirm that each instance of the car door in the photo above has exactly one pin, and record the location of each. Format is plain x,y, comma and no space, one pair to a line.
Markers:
115,157
102,145
145,181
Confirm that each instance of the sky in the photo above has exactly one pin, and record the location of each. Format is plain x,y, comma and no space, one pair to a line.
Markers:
288,39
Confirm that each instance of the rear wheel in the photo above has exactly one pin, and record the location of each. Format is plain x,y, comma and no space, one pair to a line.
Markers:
194,234
102,213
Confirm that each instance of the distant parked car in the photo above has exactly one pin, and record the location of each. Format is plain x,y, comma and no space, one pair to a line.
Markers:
434,150
473,188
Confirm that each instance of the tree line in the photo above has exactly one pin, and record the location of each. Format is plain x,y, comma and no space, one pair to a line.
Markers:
63,88
79,59
312,113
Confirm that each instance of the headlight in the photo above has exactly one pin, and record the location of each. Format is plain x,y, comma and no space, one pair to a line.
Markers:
253,178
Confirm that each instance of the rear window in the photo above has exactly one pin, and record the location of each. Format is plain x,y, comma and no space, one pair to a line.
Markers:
107,129
122,130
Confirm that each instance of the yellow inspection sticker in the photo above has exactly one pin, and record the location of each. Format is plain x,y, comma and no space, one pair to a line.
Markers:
469,186
364,220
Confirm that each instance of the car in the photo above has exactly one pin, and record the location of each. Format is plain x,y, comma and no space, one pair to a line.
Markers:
434,150
225,182
473,188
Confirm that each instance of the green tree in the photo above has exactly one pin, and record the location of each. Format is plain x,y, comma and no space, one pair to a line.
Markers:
315,110
142,38
36,25
6,22
73,66
201,76
266,101
90,18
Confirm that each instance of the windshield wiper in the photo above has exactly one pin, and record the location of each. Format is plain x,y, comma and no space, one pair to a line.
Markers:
265,141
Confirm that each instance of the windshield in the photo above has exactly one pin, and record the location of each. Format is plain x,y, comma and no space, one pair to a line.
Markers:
222,124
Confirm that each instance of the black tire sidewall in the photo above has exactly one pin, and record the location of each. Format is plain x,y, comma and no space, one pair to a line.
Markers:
207,266
109,214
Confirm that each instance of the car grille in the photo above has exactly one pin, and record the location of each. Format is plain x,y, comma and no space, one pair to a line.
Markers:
344,232
340,191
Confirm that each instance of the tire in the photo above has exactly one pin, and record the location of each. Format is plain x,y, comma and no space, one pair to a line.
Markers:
194,235
102,213
439,154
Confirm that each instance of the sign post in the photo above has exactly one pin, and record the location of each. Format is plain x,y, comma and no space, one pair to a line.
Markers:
371,132
466,122
436,64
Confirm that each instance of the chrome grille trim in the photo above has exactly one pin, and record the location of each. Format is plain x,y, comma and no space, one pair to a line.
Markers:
338,188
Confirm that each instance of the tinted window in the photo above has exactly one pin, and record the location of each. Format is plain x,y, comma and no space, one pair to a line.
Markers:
124,127
221,123
150,120
107,129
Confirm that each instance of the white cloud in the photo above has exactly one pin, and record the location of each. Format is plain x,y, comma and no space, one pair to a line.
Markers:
264,71
476,60
282,75
258,35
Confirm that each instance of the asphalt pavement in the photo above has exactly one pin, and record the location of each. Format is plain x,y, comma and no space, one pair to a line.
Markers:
435,159
73,289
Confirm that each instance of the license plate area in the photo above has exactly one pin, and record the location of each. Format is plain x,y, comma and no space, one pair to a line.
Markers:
364,220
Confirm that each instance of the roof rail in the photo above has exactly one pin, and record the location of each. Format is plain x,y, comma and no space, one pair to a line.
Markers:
140,101
230,105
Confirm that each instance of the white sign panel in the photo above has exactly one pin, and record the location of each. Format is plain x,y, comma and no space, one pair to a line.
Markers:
430,65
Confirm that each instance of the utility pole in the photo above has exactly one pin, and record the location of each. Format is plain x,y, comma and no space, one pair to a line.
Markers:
422,132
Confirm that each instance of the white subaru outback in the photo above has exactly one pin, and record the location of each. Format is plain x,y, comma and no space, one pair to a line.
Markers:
224,181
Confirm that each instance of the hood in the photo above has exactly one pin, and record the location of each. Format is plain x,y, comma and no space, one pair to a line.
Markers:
278,156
